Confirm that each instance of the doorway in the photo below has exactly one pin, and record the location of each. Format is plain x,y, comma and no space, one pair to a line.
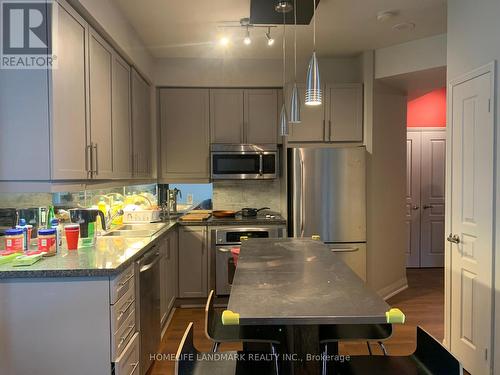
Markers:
425,196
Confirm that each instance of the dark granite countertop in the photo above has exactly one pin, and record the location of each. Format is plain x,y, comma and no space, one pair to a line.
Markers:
109,256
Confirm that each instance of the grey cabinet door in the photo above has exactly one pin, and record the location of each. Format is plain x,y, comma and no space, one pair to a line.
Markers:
193,262
68,97
312,125
163,281
100,77
345,112
121,119
261,116
184,135
141,126
226,116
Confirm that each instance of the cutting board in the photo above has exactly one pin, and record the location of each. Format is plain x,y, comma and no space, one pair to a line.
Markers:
195,217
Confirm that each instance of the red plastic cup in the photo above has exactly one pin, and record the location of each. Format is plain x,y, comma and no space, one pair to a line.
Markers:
72,235
235,252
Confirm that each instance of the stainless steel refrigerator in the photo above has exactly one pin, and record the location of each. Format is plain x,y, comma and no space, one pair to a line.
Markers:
327,195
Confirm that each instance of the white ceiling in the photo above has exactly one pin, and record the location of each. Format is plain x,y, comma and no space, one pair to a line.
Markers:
188,28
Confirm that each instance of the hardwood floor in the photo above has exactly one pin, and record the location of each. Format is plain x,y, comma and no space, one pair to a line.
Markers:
422,302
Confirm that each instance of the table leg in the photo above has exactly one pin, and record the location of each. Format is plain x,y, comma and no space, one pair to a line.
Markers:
302,351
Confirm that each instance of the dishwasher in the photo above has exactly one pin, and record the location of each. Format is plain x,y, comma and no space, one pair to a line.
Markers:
149,306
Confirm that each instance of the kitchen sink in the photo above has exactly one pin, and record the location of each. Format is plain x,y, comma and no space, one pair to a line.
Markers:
148,226
131,233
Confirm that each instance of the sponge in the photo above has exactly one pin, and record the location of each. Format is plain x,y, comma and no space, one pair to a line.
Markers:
395,316
230,318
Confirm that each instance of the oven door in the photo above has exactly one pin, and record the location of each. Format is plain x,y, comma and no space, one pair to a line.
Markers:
244,165
225,270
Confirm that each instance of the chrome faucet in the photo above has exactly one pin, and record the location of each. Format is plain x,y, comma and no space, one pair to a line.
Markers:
172,200
113,217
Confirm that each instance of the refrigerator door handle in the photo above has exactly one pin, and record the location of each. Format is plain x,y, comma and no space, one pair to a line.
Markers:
302,197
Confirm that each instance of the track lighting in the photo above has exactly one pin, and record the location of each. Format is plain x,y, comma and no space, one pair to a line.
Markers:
270,40
247,39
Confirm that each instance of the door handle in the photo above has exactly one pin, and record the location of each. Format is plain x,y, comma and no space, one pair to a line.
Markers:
427,206
453,238
415,207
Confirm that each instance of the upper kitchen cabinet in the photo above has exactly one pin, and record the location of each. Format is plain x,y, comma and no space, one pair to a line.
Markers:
100,138
141,126
184,134
345,112
338,119
68,98
312,125
226,116
244,116
261,116
121,119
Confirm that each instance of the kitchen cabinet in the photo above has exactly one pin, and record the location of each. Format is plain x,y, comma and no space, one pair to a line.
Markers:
193,262
226,116
121,119
141,126
244,116
312,126
345,112
68,98
338,119
78,126
100,137
168,274
261,116
184,135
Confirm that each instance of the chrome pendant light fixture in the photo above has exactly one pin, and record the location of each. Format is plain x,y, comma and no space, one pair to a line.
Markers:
295,99
283,116
313,85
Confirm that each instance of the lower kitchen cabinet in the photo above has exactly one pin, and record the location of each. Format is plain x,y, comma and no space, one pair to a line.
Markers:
193,262
169,268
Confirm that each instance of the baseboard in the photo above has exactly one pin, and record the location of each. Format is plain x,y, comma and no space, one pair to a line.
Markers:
393,289
167,322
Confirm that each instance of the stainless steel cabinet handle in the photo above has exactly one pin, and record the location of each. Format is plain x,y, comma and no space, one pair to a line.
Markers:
344,250
330,130
415,207
124,310
134,365
96,170
223,250
453,238
427,206
261,168
89,160
124,337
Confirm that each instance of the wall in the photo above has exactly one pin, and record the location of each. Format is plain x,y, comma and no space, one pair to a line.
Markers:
247,72
428,110
386,187
473,31
412,56
235,195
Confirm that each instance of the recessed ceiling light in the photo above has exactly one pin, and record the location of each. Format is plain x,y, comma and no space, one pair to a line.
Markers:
404,26
386,15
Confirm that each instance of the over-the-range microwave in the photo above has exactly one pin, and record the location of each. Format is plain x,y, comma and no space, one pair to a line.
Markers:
239,162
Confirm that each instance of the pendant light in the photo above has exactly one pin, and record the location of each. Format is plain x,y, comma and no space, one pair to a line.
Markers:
283,117
295,99
313,85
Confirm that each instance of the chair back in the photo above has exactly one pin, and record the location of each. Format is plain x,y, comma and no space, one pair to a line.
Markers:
210,316
185,358
434,356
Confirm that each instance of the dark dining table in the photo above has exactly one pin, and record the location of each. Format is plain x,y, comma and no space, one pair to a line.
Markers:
299,284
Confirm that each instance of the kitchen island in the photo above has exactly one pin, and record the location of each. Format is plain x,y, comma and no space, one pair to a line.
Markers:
83,306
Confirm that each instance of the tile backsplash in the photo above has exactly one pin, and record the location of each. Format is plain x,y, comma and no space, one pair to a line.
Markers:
25,200
234,195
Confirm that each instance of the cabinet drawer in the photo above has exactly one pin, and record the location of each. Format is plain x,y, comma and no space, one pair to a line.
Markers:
121,309
128,362
122,283
121,337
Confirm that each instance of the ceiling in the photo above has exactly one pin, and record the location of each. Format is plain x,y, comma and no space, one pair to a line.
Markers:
189,28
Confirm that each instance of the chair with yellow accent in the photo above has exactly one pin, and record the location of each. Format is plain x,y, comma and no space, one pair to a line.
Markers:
189,361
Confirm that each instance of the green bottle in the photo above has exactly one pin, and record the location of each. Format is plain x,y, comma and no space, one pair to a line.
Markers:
50,216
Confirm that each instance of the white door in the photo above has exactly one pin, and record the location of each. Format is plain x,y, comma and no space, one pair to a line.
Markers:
432,190
471,219
413,199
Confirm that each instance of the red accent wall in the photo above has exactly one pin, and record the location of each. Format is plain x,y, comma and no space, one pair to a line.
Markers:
428,110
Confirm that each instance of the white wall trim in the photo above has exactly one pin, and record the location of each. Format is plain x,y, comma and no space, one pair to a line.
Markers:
393,289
